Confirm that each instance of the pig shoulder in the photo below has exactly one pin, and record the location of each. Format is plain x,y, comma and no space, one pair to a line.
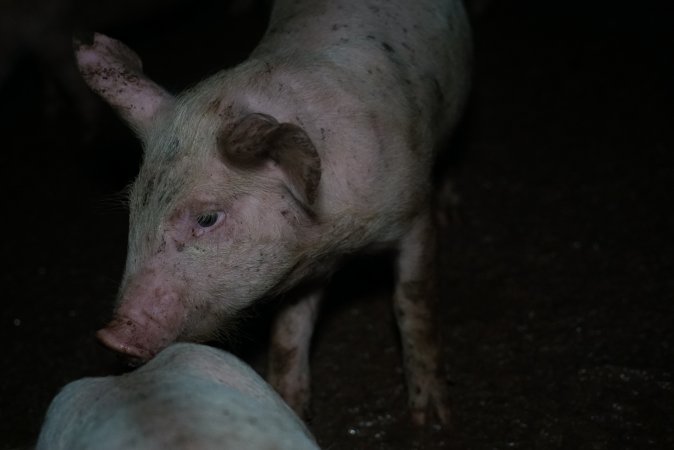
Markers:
377,88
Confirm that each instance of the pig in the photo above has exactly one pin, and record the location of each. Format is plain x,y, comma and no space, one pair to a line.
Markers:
190,396
260,180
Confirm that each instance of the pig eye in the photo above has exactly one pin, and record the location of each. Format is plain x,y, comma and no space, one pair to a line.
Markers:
207,220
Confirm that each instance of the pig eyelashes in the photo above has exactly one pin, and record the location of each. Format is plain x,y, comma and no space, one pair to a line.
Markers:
207,221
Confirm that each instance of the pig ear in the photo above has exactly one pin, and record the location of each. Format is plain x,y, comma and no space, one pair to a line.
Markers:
258,138
115,73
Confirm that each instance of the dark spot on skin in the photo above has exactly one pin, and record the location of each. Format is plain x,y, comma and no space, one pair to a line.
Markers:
229,110
147,191
344,40
268,68
387,47
213,106
370,37
369,71
180,246
322,134
162,246
129,77
167,191
374,9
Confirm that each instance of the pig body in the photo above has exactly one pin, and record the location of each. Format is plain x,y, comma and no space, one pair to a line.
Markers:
264,176
189,396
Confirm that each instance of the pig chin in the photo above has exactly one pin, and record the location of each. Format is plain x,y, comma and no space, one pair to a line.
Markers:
140,332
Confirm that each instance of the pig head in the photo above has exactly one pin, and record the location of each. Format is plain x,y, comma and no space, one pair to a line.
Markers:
217,211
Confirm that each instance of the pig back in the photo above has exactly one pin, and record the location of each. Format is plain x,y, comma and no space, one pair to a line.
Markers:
189,397
408,61
378,86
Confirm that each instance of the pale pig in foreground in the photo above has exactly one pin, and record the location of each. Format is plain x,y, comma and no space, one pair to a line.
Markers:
263,177
189,396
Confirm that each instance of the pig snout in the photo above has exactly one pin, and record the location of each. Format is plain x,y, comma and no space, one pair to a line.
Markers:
137,342
143,325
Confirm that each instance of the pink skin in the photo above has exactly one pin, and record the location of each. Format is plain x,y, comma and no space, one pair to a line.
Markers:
312,149
149,317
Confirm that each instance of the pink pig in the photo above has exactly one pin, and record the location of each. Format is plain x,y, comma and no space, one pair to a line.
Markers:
263,177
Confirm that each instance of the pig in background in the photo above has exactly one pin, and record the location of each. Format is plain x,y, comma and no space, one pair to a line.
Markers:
189,396
260,180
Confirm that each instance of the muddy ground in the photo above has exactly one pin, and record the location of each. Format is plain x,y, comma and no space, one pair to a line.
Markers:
558,268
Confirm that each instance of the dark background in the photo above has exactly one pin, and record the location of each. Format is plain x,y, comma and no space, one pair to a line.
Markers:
558,280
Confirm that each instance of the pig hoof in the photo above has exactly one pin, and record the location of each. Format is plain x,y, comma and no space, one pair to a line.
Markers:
433,413
430,406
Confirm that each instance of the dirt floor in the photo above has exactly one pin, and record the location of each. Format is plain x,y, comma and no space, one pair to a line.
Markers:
558,268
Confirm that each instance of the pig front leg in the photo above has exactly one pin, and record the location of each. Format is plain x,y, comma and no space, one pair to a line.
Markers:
288,369
415,299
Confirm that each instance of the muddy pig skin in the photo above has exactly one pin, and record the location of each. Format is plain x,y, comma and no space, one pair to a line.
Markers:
259,180
189,396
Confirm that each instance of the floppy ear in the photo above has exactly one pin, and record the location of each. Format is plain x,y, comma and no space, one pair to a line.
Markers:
115,72
258,138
